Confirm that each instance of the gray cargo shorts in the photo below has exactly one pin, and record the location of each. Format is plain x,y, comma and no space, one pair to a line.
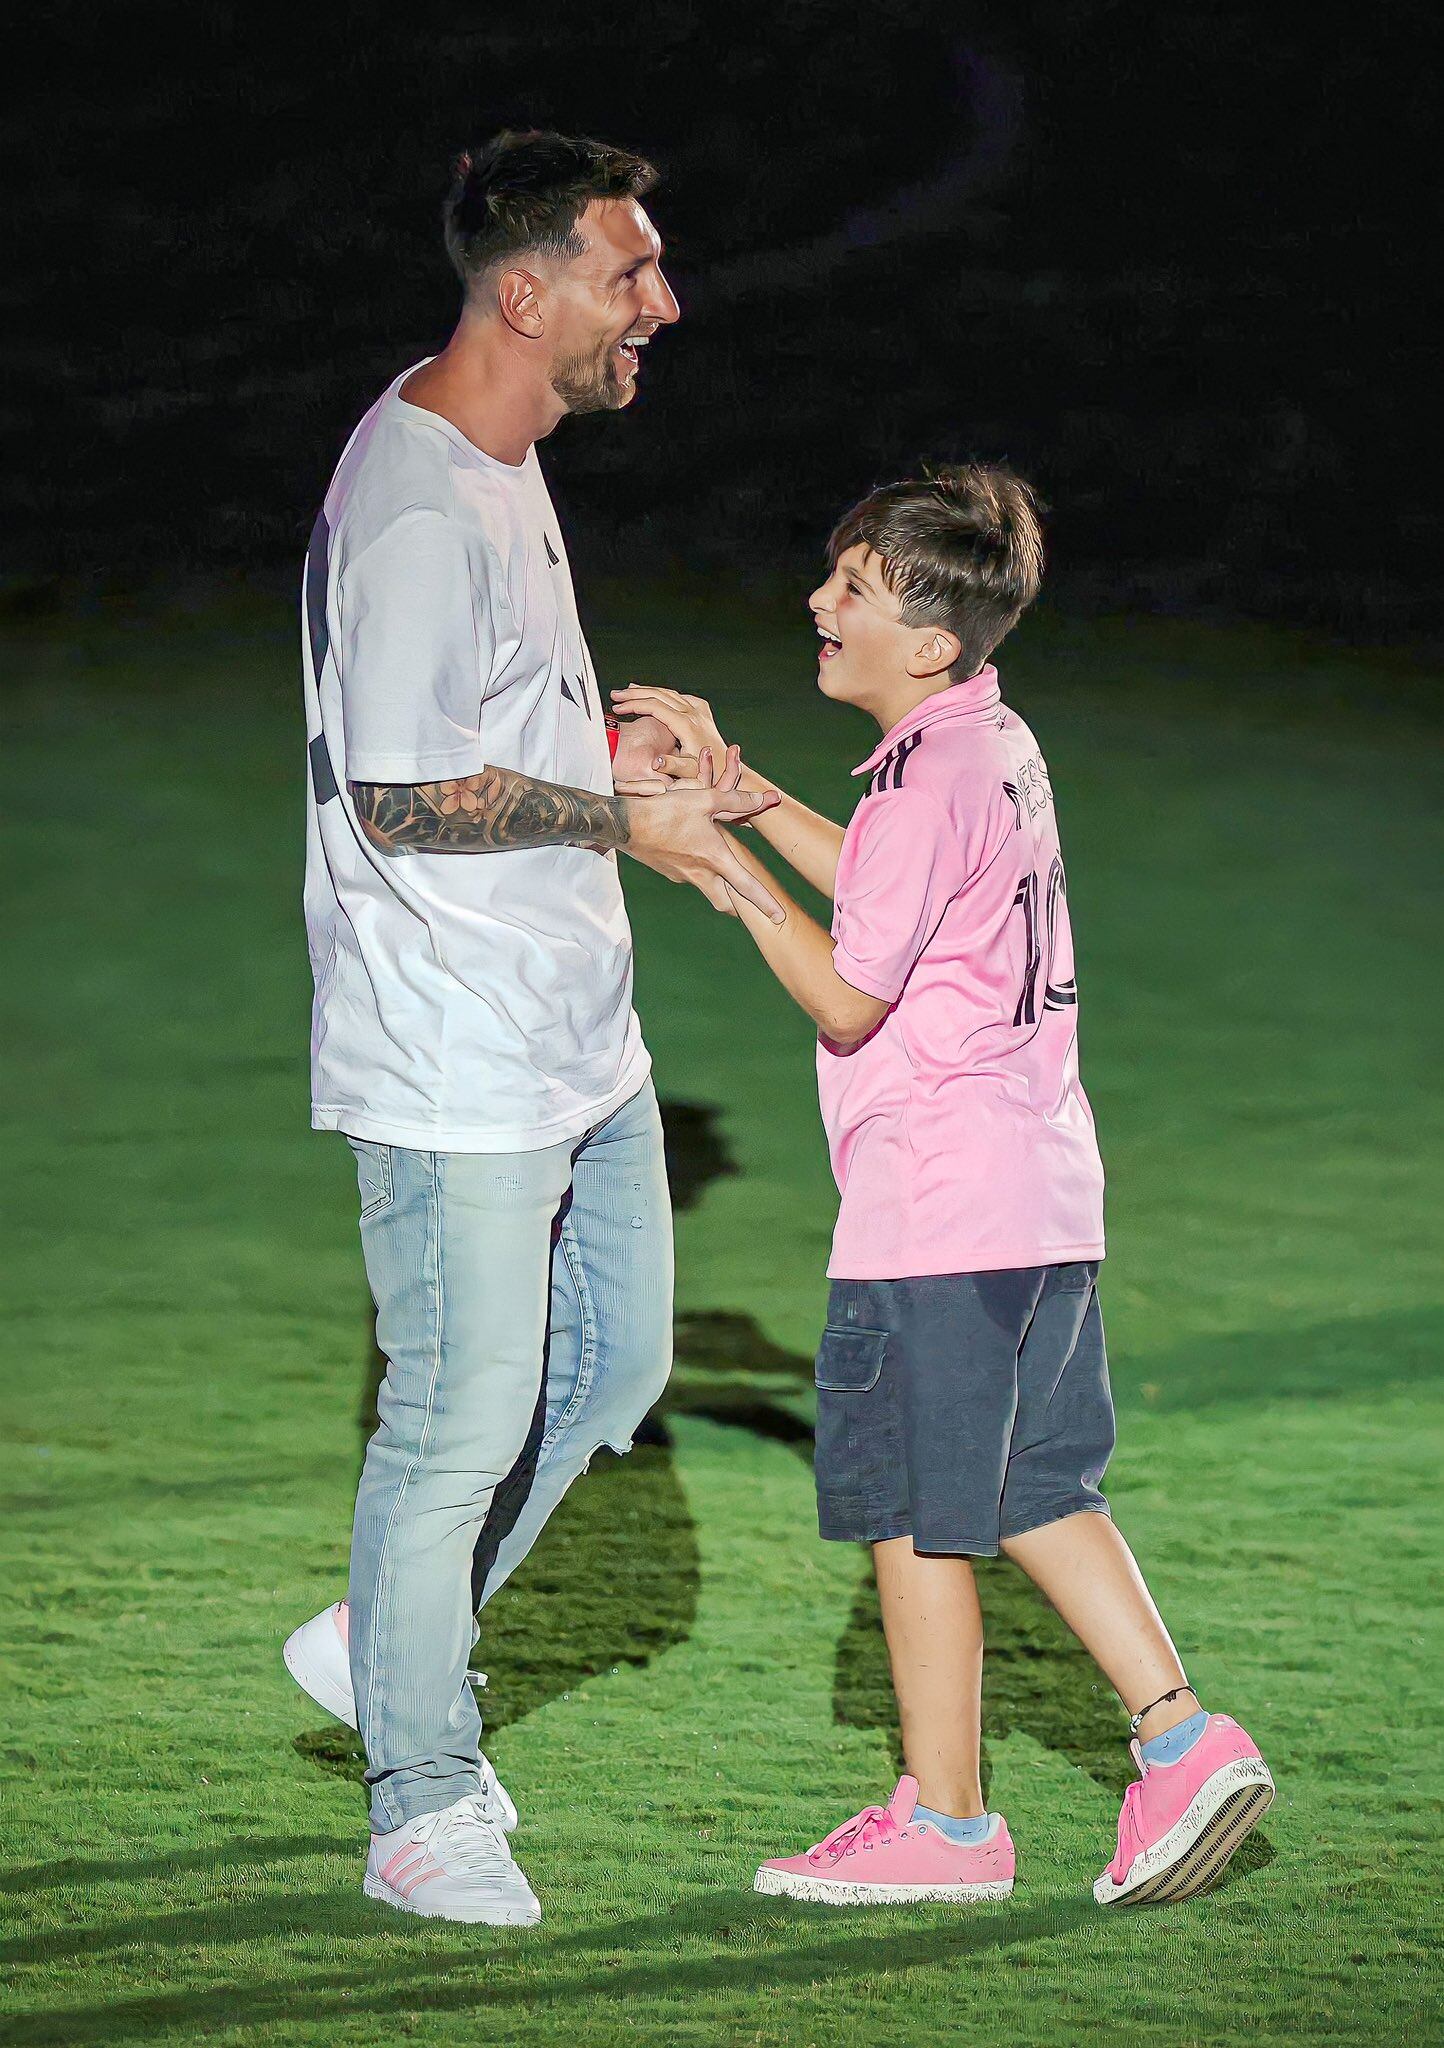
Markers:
962,1408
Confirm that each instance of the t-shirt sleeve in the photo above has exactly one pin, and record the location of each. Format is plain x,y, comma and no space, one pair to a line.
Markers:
416,650
900,868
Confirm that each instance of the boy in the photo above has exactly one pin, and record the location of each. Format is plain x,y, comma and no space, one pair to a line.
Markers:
963,1397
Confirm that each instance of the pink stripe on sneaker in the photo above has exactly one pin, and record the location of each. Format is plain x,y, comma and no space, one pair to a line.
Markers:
402,1862
418,1874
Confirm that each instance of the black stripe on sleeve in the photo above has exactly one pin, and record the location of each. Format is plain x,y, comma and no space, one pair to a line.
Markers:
323,775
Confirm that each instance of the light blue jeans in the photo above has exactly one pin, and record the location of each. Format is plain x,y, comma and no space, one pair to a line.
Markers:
524,1307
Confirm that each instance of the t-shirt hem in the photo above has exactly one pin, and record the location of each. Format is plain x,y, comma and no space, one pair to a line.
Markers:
373,1130
406,769
859,977
966,1262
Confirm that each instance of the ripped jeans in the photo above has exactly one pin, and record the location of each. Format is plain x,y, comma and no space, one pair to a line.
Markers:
524,1307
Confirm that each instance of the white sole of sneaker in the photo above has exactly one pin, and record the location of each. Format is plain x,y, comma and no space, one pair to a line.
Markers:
487,1913
1191,1857
315,1680
832,1891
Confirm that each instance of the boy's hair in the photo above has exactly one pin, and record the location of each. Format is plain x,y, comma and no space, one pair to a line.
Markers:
960,547
526,190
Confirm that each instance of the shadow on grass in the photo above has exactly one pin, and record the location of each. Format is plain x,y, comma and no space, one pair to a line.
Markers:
147,1495
160,1866
434,1969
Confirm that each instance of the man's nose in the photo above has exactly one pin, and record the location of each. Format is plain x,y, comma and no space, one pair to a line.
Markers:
662,303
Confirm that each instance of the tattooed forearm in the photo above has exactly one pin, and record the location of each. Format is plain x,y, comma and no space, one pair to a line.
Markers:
486,813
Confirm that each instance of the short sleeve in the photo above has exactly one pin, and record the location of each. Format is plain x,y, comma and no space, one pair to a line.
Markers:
900,868
416,644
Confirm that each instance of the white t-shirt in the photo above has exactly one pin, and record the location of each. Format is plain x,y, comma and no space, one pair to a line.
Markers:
465,1002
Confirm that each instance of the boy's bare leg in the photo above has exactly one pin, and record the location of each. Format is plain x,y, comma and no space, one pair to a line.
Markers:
934,1629
1088,1572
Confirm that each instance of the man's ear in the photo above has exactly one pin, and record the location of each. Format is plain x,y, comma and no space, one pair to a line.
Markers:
518,300
934,655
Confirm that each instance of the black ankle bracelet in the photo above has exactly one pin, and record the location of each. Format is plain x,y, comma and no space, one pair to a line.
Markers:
1135,1721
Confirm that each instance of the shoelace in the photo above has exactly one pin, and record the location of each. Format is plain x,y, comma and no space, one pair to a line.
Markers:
1130,1827
874,1823
487,1798
472,1838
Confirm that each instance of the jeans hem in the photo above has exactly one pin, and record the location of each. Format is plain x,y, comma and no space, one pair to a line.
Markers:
436,1803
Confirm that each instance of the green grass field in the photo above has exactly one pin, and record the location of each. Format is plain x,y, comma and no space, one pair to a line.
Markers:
683,1678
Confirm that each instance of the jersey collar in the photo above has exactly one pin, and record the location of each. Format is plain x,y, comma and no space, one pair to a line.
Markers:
975,700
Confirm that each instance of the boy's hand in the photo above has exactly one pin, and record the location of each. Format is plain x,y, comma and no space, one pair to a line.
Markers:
680,836
689,718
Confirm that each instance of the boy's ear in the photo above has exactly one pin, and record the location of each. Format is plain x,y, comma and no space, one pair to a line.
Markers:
934,655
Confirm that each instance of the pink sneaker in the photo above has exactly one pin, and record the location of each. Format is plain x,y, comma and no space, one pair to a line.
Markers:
882,1854
1181,1822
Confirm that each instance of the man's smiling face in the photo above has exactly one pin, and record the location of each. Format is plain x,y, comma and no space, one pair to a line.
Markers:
604,306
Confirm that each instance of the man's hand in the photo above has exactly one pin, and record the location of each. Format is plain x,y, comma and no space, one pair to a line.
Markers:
680,836
644,744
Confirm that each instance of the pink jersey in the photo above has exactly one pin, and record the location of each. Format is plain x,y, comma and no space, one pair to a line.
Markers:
961,1139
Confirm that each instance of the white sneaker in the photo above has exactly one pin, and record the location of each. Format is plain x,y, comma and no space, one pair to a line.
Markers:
318,1657
453,1865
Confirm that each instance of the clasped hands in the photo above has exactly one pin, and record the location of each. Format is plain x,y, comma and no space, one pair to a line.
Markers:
669,741
663,738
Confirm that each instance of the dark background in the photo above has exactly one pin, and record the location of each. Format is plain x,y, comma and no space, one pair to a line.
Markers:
1172,261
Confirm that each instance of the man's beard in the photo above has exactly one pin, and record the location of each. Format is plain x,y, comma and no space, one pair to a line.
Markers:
590,383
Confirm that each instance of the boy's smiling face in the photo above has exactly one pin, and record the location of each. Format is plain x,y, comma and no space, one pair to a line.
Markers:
868,656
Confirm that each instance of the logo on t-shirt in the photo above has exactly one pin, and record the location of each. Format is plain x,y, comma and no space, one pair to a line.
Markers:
585,701
555,560
889,772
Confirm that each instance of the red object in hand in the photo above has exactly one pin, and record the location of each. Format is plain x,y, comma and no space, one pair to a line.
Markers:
614,735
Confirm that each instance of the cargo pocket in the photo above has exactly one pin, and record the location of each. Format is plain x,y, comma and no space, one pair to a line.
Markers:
850,1361
858,1449
373,1175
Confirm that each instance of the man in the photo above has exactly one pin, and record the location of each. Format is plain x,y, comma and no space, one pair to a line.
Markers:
473,1028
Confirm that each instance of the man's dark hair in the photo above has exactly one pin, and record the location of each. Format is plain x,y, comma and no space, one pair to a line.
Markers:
526,190
960,547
